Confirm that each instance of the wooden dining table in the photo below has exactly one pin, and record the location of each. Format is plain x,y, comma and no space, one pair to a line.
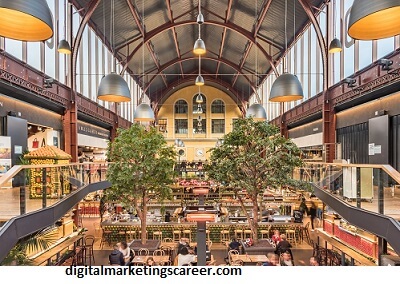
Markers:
158,259
250,259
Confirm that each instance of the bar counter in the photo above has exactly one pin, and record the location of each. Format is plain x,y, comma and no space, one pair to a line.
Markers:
214,228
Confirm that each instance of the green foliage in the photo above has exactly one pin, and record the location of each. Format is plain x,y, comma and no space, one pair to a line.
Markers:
36,242
254,156
142,168
142,162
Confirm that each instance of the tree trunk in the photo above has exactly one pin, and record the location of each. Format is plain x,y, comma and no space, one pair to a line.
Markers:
254,222
143,220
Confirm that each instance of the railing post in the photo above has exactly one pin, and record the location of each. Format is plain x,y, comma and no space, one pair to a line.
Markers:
358,187
381,203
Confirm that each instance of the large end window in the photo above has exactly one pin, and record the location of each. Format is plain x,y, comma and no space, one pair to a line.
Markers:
218,106
218,126
181,106
181,126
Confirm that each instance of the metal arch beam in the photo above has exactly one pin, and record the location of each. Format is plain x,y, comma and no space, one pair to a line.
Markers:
229,25
221,48
139,24
180,60
189,80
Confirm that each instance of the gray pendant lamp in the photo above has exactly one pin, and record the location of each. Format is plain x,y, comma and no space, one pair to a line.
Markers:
64,47
286,88
143,112
257,112
335,46
374,19
199,80
26,20
199,99
199,45
113,88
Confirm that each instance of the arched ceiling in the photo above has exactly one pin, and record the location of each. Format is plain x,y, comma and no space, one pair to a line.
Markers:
245,39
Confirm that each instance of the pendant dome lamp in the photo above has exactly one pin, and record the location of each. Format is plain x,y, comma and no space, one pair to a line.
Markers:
286,87
64,47
257,112
371,20
113,87
199,45
199,79
26,20
143,112
199,99
335,45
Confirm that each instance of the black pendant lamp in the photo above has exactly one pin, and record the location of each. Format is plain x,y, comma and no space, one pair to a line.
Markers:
372,19
26,20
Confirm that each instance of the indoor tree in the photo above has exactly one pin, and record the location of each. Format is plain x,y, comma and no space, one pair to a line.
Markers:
253,157
141,168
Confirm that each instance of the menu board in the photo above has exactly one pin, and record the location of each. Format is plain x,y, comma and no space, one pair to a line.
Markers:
5,158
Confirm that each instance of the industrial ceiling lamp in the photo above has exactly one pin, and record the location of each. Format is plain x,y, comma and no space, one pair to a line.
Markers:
335,45
64,46
371,20
143,111
199,79
199,45
199,98
113,88
286,87
256,111
26,20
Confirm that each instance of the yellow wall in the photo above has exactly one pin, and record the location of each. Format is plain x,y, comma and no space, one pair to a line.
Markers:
195,141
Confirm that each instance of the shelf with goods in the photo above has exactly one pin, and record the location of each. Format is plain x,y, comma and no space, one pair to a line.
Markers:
51,179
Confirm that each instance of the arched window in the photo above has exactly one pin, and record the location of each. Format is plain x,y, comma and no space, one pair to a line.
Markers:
181,106
217,106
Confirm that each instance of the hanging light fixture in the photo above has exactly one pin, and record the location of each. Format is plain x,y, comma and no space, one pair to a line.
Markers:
256,110
335,45
199,45
286,87
113,88
371,20
199,79
63,45
26,20
199,99
143,111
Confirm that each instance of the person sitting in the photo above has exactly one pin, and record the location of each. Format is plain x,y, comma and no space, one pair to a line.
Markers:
283,245
234,244
150,261
276,238
313,261
116,257
273,260
185,258
125,250
184,242
286,259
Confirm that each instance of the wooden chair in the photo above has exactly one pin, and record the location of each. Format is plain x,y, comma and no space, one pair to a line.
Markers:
143,251
237,262
176,235
158,252
168,240
224,236
106,238
230,253
89,252
157,235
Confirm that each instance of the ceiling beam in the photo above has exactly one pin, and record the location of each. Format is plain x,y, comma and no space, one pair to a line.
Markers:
171,18
221,48
140,26
180,60
229,25
256,28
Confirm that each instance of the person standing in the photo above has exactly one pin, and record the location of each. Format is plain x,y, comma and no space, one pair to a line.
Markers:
313,213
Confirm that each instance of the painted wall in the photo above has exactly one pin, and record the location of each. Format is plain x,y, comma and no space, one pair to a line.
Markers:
197,144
